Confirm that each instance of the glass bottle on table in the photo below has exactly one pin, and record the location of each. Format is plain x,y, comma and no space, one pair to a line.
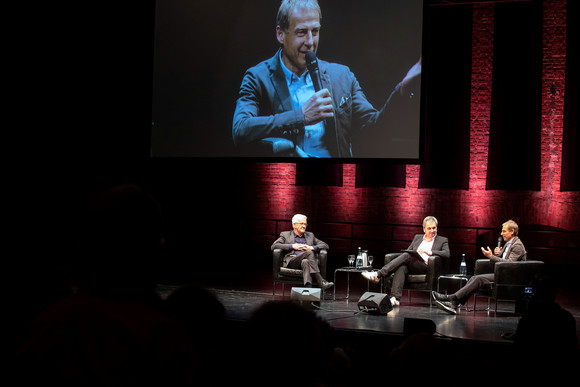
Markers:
359,259
463,266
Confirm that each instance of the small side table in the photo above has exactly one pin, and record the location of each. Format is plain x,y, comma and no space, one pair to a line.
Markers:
348,270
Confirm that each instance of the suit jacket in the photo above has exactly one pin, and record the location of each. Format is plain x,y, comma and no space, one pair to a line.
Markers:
286,240
515,252
440,245
264,110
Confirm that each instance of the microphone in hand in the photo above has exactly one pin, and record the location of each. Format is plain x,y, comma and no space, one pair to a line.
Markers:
312,65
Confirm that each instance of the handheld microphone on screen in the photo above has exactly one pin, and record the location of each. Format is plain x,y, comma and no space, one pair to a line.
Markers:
312,65
499,242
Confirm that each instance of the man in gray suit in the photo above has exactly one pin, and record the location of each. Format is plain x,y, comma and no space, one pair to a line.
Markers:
278,109
301,249
513,250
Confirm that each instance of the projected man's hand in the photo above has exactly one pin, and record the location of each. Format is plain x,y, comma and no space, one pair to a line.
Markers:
318,107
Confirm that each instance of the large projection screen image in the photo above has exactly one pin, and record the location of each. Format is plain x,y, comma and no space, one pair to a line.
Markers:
231,79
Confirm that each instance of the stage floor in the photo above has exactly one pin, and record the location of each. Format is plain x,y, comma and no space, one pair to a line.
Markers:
343,314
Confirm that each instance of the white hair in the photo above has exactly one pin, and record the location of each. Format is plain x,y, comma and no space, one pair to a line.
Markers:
429,219
297,217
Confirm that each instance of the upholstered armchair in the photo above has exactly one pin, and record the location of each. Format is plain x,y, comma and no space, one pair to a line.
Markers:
285,275
510,279
422,282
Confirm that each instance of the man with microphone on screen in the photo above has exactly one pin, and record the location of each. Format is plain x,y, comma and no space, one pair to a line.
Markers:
296,105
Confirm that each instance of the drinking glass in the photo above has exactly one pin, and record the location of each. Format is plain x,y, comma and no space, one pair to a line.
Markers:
351,260
370,260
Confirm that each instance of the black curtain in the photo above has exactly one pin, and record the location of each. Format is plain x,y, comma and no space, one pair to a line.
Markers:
380,173
448,98
571,142
318,172
514,158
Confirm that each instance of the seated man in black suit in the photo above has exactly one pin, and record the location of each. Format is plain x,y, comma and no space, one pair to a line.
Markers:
301,249
425,245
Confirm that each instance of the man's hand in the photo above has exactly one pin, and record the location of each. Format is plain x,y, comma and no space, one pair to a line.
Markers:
301,247
318,107
412,74
487,252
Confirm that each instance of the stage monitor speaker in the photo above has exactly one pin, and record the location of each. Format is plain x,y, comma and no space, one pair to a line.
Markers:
377,303
305,294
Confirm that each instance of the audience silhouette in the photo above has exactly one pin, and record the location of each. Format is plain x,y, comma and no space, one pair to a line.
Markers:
546,334
111,330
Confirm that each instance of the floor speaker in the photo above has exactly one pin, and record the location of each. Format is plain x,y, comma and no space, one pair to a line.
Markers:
305,294
378,303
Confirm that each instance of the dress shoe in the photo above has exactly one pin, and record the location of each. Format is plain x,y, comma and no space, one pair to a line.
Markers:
440,296
447,306
372,276
327,285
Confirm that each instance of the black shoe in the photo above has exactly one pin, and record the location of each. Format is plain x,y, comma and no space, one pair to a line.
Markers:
440,296
327,285
447,306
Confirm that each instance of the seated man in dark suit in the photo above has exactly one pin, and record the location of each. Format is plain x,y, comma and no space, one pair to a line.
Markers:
513,250
425,245
301,249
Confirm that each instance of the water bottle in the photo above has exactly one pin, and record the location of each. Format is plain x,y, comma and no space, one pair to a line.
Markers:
463,266
365,258
359,259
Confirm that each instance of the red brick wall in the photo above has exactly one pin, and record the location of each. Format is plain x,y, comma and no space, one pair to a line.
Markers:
271,193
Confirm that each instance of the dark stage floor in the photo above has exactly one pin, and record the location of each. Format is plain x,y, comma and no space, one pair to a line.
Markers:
481,326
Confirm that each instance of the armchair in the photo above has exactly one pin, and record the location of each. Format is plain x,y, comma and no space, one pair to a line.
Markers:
286,275
510,279
422,282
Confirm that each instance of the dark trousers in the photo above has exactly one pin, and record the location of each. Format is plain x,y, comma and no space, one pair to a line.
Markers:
473,285
307,262
401,266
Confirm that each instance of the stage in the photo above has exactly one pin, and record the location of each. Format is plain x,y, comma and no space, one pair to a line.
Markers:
345,315
474,341
482,327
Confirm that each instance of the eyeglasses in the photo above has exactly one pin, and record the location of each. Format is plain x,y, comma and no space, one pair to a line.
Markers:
301,223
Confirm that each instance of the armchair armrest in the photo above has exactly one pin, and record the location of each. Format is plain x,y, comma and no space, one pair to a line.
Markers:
434,264
276,262
322,262
484,266
390,256
517,273
511,278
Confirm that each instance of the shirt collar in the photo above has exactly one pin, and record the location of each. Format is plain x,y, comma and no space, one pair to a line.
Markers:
298,236
429,240
291,77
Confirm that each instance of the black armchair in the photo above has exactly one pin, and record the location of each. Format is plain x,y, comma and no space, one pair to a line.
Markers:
422,282
510,279
286,275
